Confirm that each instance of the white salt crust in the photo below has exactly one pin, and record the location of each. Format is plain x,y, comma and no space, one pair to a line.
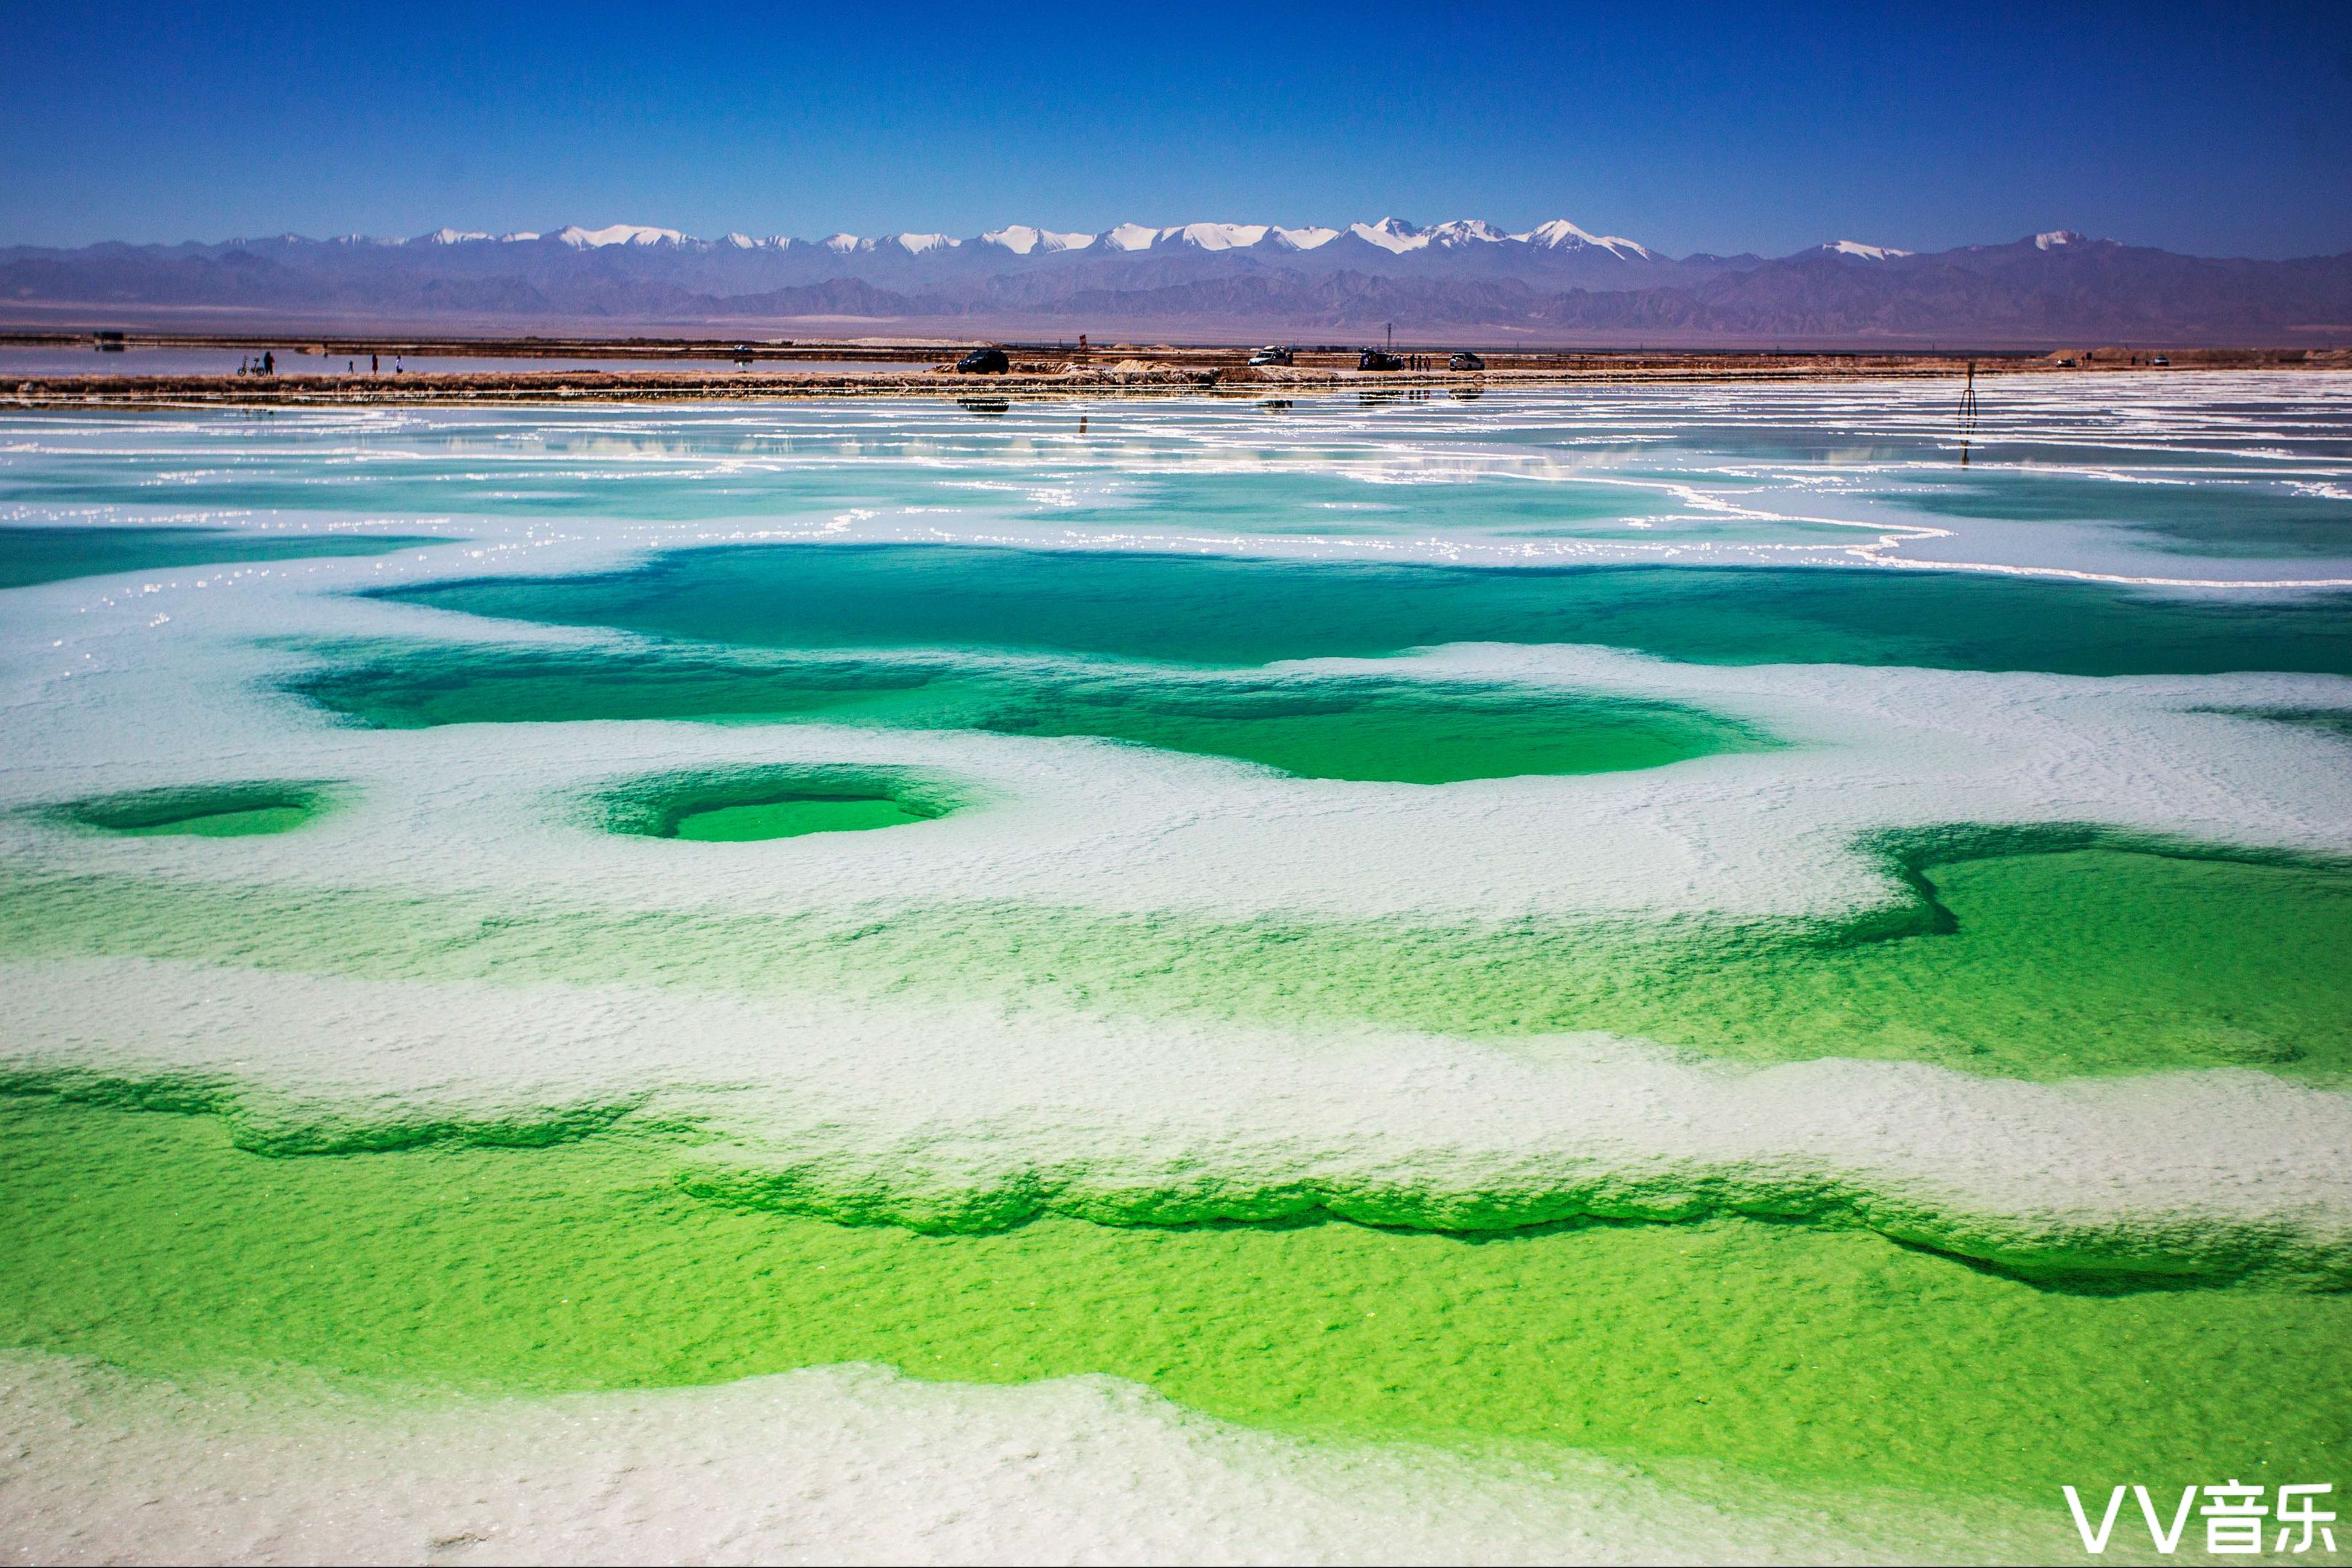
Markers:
850,1465
932,1102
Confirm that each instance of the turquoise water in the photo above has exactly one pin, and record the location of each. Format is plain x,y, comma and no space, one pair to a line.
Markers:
32,554
1222,611
2233,517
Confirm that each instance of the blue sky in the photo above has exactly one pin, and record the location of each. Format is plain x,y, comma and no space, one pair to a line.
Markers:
2215,130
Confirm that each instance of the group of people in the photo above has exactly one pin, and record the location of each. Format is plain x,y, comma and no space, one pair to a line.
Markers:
266,365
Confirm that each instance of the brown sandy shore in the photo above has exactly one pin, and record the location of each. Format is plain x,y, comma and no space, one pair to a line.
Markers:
926,370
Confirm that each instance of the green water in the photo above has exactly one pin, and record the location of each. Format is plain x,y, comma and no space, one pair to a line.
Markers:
210,811
741,804
2081,956
1812,1357
1354,727
791,819
1386,730
31,554
1205,610
229,824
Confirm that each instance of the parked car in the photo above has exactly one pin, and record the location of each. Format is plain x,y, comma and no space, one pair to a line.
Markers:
1272,355
1373,360
2160,359
1464,360
984,362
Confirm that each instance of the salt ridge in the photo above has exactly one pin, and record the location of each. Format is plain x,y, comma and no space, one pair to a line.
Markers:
851,1464
931,1115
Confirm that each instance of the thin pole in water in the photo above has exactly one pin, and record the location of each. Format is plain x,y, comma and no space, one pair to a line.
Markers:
1967,412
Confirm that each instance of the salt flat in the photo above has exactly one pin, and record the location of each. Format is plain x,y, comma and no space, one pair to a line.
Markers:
1673,949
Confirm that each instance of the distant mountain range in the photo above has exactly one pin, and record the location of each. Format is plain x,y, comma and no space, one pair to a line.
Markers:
1465,280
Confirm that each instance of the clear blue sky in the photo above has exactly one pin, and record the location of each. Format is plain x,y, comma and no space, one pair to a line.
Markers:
2219,129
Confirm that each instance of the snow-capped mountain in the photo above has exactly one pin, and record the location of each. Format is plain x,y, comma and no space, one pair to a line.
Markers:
1462,277
1021,240
1393,236
1855,247
1561,235
617,233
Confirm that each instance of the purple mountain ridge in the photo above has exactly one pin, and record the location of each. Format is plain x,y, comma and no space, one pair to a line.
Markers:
1464,280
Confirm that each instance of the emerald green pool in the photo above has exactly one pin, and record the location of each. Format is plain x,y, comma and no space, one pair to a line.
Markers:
744,804
1361,727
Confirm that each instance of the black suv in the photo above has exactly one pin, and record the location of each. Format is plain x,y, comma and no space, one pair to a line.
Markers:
1373,360
984,362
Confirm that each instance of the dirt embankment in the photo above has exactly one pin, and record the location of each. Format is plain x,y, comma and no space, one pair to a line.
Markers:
1161,369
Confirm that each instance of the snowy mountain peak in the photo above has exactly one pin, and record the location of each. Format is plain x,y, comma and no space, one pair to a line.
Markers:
1392,234
451,236
1216,236
1465,231
1130,236
840,245
1020,239
2056,238
617,234
1309,238
916,245
1866,252
1561,235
